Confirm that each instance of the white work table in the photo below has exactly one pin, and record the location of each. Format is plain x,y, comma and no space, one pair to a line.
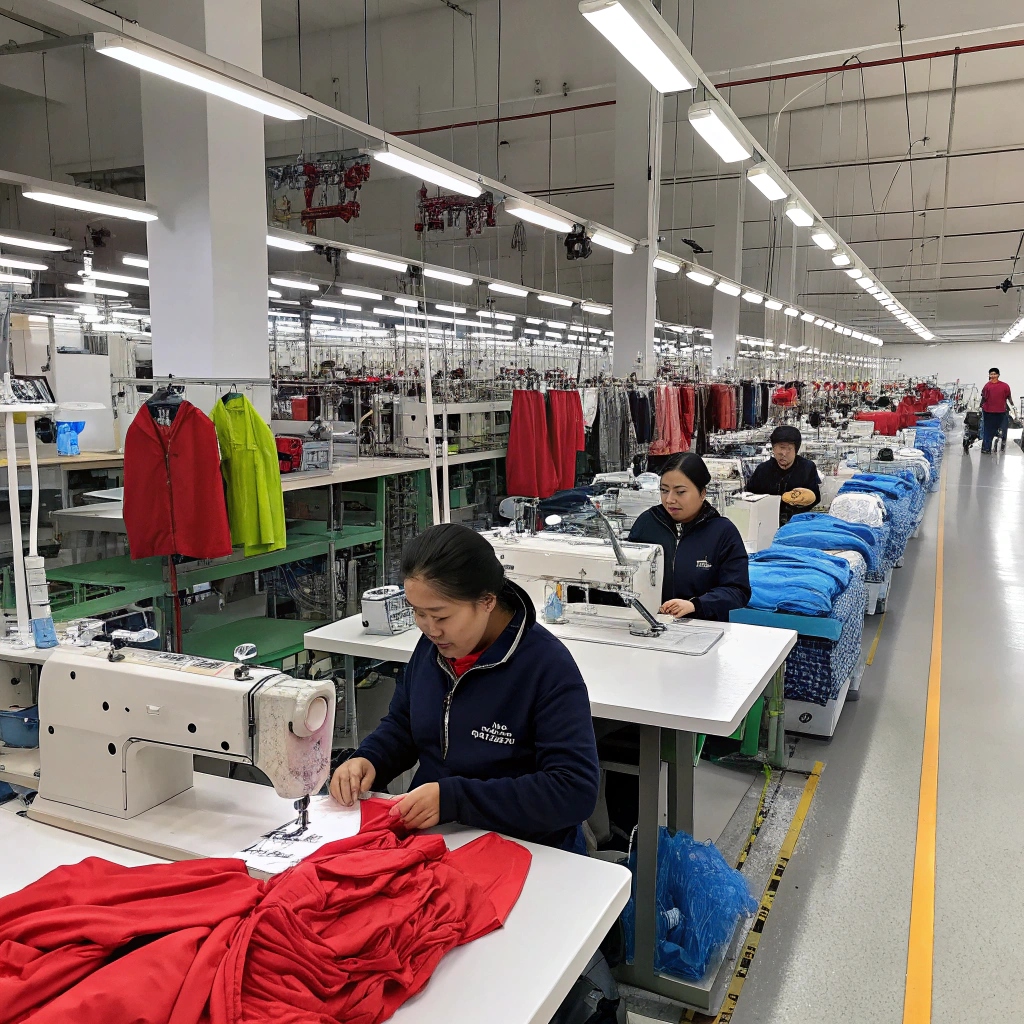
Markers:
519,973
655,690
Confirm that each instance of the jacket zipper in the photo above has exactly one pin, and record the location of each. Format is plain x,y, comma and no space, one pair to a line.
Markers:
170,494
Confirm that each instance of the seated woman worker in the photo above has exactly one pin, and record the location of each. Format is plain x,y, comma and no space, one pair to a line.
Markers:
706,567
491,705
788,474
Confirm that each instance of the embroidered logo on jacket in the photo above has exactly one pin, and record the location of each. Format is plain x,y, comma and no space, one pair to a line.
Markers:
494,733
703,564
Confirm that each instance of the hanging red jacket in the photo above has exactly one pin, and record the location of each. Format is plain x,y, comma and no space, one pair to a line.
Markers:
348,934
173,489
529,469
566,435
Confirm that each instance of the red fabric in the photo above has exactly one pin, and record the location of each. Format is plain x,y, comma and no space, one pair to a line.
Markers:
688,410
566,435
529,469
464,664
173,489
348,934
667,409
784,396
994,396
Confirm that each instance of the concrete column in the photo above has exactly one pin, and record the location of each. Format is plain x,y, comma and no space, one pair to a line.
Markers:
205,172
728,260
638,134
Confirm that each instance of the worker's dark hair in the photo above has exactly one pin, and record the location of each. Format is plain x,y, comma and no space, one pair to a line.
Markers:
994,369
786,435
691,466
457,562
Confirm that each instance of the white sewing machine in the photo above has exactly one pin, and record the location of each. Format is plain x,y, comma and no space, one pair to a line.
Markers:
118,732
547,565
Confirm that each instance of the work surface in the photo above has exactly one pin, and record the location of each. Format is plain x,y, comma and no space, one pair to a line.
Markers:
707,694
516,975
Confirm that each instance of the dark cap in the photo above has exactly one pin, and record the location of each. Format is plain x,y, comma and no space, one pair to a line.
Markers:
787,435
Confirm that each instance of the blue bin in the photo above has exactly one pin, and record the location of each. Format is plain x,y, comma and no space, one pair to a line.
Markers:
20,728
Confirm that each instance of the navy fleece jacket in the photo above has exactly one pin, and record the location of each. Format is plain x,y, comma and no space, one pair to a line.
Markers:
705,560
510,743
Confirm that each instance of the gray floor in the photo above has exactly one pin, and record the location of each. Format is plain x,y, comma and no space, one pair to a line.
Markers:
835,946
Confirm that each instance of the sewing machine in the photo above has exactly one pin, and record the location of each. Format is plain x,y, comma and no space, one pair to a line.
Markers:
553,567
119,729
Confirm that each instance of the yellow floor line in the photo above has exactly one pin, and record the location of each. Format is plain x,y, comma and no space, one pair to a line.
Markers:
917,1003
878,636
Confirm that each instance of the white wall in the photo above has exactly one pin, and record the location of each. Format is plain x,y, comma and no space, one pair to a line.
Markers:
962,361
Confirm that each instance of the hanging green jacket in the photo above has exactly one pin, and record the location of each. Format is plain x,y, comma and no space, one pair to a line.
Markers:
252,476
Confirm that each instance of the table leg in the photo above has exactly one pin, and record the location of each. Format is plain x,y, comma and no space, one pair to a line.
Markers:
647,848
680,783
777,719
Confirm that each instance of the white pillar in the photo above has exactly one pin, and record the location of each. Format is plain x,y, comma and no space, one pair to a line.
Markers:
205,173
638,134
728,260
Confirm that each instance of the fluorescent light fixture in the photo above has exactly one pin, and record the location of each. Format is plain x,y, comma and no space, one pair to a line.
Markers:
361,293
321,316
855,274
847,331
858,335
271,294
378,261
184,72
645,39
700,277
282,240
772,304
791,311
823,239
592,307
558,325
552,334
617,243
799,214
807,317
71,198
668,263
135,261
841,259
449,309
728,288
505,316
927,335
535,215
490,316
762,177
447,275
593,330
865,283
530,330
718,126
290,282
14,264
829,326
819,322
88,286
102,275
338,305
407,302
507,289
428,171
283,312
755,297
18,279
26,240
503,327
555,300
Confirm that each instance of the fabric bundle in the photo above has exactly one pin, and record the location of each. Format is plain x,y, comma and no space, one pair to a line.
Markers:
859,508
348,934
823,532
801,582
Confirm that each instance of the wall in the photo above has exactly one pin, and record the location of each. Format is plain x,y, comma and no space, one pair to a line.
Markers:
964,361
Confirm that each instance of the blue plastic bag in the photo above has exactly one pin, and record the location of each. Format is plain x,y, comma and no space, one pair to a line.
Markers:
699,898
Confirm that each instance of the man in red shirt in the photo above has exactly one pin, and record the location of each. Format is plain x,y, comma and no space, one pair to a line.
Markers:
994,396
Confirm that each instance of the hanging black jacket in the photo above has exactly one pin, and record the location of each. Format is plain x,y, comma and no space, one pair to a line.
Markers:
705,560
769,478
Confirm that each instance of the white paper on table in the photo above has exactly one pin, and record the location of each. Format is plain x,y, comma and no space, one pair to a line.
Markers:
285,846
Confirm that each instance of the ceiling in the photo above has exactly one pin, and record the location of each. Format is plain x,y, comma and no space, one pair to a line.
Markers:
280,17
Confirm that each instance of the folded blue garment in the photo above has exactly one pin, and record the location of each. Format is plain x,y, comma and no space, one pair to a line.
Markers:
805,558
827,533
878,483
796,580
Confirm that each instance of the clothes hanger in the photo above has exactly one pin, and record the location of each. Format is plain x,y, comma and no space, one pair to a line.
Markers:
229,395
164,403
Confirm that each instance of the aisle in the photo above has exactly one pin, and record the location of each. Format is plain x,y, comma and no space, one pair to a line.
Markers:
835,945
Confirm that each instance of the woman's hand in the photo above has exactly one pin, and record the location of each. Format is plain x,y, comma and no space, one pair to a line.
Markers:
419,809
353,777
677,608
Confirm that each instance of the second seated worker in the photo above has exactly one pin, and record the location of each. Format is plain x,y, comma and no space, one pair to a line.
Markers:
706,567
491,705
788,474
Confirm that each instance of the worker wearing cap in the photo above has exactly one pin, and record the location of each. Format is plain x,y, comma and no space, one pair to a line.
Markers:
788,474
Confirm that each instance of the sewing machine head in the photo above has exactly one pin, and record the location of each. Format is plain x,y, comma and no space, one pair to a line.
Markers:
119,736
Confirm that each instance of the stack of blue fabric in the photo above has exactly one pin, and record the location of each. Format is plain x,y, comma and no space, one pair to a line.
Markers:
930,439
822,532
795,580
903,498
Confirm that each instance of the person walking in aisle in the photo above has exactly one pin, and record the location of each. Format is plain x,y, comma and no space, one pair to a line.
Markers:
995,396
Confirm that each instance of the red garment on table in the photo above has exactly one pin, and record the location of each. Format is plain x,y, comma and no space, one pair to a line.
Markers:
688,409
173,488
529,469
566,435
348,934
667,421
887,423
